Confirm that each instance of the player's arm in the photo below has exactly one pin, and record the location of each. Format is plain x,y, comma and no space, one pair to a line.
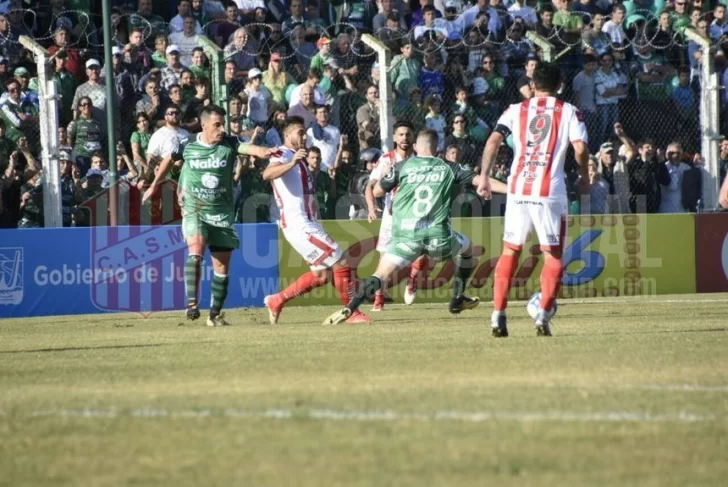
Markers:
388,182
277,169
258,151
485,185
578,137
369,191
495,185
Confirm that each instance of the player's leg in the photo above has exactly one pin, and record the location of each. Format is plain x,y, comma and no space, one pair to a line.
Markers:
550,223
464,265
196,239
418,273
222,242
516,227
388,265
383,243
314,244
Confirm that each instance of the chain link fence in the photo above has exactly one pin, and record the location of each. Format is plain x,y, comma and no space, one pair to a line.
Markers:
647,78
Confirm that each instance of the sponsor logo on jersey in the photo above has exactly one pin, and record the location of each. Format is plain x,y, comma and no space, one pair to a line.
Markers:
209,163
210,181
433,177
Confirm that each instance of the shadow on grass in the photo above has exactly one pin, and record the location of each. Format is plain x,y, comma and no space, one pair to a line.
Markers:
73,349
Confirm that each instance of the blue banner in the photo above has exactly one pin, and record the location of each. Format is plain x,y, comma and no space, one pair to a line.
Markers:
60,271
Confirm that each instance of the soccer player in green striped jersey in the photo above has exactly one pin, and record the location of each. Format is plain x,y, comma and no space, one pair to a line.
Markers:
208,209
425,187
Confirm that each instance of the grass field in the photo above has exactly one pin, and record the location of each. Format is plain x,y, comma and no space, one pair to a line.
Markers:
628,392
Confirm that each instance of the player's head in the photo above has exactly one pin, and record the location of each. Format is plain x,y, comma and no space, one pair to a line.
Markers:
427,141
212,120
404,134
313,158
547,77
294,133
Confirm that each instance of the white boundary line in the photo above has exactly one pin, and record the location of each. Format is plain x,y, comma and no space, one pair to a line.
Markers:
676,387
374,415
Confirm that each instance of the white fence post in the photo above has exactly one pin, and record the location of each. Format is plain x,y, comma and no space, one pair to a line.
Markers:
48,126
709,121
386,94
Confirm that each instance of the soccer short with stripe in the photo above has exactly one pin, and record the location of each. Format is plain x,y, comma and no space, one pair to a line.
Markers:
385,232
547,217
217,230
405,251
312,242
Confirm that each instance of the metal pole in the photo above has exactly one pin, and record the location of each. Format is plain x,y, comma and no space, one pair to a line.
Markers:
386,94
217,76
110,113
48,126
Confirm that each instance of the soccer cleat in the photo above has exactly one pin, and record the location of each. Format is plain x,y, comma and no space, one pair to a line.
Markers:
193,312
462,303
274,308
499,326
358,317
218,320
410,293
337,318
378,302
543,327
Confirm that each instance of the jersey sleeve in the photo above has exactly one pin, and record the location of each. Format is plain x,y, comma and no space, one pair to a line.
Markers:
463,174
390,180
577,127
376,173
504,126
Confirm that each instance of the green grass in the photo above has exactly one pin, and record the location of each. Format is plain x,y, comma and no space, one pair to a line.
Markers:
629,392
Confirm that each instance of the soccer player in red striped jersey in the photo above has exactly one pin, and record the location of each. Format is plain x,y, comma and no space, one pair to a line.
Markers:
543,127
404,149
294,191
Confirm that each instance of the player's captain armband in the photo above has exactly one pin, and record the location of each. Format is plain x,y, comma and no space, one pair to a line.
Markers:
503,130
243,148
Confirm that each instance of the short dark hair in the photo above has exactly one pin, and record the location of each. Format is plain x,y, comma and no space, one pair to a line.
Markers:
683,70
590,58
293,121
428,8
547,77
315,73
319,107
314,149
404,123
210,110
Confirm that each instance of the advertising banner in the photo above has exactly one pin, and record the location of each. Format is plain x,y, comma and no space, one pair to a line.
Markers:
711,258
58,271
609,255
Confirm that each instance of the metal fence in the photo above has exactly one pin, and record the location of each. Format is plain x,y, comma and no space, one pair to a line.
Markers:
438,82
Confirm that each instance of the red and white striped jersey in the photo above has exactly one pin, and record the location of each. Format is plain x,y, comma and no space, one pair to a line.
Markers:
542,128
384,164
294,191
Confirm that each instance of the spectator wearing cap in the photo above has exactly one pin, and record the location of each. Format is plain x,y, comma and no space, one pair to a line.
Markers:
323,54
521,10
125,92
184,9
242,50
597,203
325,136
171,73
85,134
614,171
20,116
277,79
186,40
74,63
380,20
71,190
145,18
313,79
406,70
22,76
94,90
258,97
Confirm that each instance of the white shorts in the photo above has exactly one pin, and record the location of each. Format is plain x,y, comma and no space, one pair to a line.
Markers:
547,217
311,241
385,232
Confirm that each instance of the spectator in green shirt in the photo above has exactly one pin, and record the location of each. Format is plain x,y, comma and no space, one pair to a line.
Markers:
85,134
406,71
140,140
18,115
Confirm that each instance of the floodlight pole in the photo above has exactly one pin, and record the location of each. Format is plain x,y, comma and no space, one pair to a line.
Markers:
546,47
386,94
110,114
709,121
48,126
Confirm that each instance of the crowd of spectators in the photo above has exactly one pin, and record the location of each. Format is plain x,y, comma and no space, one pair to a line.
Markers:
456,66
